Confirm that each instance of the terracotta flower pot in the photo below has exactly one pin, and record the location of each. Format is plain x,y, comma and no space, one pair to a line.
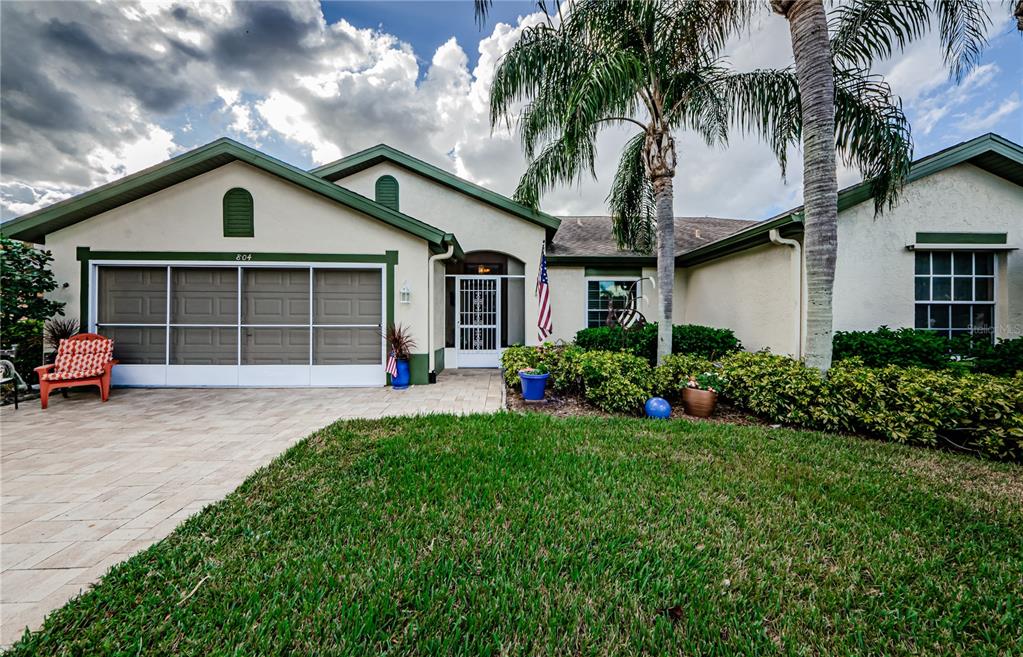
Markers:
699,403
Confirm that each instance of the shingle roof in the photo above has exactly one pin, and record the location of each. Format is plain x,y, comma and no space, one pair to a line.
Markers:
591,235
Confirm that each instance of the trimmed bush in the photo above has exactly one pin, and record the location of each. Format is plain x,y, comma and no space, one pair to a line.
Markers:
910,405
907,405
614,381
672,375
1003,359
693,339
908,347
904,347
775,387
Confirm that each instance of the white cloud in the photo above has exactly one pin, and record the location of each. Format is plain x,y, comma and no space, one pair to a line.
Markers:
155,146
331,89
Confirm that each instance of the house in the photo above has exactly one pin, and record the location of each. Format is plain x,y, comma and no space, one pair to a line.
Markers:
224,266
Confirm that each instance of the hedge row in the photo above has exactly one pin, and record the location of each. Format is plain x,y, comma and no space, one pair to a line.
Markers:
908,347
693,339
906,405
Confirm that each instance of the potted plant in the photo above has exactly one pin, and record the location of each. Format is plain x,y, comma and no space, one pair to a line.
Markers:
700,395
55,330
400,346
534,382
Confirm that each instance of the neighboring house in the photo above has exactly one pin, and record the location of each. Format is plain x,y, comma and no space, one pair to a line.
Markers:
225,266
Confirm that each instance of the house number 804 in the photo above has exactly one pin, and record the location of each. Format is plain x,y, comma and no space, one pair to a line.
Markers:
243,256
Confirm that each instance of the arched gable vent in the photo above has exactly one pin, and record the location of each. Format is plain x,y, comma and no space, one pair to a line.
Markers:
387,192
238,208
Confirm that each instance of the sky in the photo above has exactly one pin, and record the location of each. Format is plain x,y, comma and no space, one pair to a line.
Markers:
90,92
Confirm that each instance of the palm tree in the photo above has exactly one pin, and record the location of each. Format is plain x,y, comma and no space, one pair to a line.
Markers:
653,65
656,65
861,32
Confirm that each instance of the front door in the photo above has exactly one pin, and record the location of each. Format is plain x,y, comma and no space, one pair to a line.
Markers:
478,321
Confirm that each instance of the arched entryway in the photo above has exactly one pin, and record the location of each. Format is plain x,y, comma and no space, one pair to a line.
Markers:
485,307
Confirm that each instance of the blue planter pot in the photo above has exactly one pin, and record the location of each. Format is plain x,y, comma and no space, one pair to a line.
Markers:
400,382
533,385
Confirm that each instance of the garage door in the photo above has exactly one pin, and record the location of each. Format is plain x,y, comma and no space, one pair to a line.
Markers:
246,326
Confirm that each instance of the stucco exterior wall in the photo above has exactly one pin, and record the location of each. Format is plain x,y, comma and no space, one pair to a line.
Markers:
751,292
287,219
477,225
874,273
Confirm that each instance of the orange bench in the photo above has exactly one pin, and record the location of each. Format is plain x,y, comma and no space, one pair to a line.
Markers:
82,360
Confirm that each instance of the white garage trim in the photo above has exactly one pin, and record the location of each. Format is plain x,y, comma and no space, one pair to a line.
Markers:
239,374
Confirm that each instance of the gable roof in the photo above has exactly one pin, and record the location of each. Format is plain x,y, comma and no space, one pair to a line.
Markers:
581,239
34,226
990,152
384,153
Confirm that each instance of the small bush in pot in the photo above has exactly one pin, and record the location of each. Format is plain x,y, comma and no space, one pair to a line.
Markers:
534,382
700,395
401,345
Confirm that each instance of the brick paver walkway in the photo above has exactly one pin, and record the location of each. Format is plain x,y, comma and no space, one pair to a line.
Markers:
84,485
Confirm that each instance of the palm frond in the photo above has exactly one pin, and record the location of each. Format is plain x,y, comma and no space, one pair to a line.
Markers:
863,31
872,133
562,160
962,26
631,200
482,10
766,102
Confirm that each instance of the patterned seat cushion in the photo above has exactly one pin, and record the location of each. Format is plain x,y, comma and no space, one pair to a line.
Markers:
80,359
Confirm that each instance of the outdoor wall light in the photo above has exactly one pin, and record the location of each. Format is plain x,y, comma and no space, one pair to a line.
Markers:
405,294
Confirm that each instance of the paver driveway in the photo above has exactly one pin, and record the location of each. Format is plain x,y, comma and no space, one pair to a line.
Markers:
85,485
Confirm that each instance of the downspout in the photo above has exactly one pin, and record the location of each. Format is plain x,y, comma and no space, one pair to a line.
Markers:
429,304
797,285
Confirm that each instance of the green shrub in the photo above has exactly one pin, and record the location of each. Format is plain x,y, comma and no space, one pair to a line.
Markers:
563,363
671,376
908,405
615,382
515,358
704,341
904,347
565,366
911,405
640,341
775,387
1003,359
28,335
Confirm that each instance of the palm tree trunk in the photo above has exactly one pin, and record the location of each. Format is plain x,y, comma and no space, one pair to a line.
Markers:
808,26
664,203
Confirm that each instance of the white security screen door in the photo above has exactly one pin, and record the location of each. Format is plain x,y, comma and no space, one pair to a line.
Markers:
478,321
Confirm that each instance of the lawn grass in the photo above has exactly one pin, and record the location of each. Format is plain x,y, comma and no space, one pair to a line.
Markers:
526,534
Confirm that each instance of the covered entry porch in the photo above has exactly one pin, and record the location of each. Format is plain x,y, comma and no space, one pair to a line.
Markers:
484,308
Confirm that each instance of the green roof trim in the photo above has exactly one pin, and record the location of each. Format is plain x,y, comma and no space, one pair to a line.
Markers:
990,152
384,153
962,238
34,227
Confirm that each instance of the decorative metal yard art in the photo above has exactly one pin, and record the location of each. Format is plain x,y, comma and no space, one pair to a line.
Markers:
627,315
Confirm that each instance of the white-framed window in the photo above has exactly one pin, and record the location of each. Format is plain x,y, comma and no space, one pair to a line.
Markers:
603,294
955,292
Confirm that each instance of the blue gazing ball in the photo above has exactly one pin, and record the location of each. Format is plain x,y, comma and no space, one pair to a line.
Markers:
658,408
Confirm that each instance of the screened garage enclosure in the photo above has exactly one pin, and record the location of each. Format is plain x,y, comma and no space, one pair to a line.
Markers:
249,325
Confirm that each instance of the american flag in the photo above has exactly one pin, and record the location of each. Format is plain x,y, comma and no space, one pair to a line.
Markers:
544,324
392,365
